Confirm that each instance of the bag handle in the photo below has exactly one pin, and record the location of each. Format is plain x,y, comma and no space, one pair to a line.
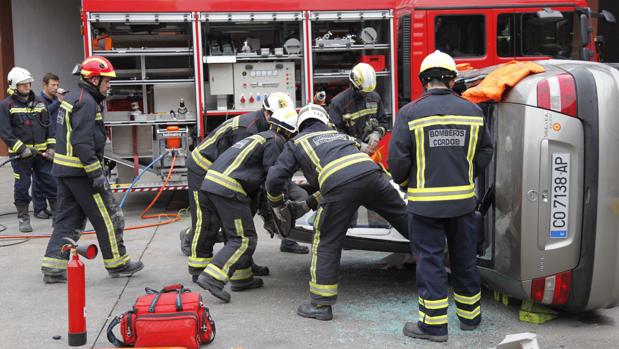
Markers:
170,288
110,334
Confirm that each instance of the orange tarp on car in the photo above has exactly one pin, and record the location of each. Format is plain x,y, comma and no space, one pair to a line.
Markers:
493,86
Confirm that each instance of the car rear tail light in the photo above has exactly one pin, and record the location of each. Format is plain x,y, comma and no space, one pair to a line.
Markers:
558,93
553,289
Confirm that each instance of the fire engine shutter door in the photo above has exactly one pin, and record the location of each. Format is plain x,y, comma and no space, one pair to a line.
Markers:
252,17
140,17
350,15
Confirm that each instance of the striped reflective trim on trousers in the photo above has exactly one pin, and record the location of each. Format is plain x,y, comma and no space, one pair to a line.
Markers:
111,234
242,274
323,290
54,263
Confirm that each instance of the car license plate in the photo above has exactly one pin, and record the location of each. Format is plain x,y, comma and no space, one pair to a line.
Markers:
560,190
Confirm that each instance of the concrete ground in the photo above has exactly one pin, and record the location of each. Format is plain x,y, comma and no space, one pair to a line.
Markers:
373,306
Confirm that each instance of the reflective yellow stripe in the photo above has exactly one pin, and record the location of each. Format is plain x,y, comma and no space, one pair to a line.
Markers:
54,263
200,160
116,262
225,181
16,146
70,161
197,262
445,120
51,141
110,229
215,272
467,300
311,154
323,290
66,105
434,304
470,315
67,121
315,244
276,198
230,124
38,146
441,193
420,157
198,231
312,134
26,110
238,226
242,274
16,175
93,167
471,152
240,158
432,320
339,164
98,117
363,112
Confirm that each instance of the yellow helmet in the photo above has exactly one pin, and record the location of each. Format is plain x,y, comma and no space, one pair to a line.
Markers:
363,77
437,65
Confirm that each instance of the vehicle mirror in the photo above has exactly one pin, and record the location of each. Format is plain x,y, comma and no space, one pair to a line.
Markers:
584,30
550,15
608,16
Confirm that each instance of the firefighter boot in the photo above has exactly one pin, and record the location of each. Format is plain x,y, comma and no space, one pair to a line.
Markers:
216,288
314,311
54,276
411,329
24,219
42,214
126,270
292,247
259,270
52,207
244,285
186,237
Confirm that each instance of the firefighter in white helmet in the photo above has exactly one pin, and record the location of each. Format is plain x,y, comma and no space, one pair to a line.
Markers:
197,242
25,127
439,144
229,190
358,111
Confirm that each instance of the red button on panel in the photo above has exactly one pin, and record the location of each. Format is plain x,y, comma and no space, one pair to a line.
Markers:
242,99
251,99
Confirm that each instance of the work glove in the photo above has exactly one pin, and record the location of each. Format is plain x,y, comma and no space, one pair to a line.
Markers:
49,154
365,148
279,212
373,140
297,208
99,183
27,152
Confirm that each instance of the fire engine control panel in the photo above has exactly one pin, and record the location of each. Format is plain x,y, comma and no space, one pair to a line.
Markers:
254,81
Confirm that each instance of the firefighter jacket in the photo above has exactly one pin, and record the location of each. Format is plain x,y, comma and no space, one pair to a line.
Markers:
240,171
223,137
438,145
25,123
350,112
80,134
327,157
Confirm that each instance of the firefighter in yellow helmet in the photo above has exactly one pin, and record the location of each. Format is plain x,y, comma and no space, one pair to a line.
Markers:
439,145
83,190
358,111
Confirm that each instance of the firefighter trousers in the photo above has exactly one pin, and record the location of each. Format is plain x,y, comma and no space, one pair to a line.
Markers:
428,245
233,262
77,200
333,218
28,171
204,225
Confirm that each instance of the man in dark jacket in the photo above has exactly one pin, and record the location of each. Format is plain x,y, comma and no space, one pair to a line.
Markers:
230,185
438,146
83,190
346,178
25,128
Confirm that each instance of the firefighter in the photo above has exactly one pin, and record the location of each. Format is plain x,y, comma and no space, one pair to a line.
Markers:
25,128
358,111
83,190
230,185
224,136
347,178
439,144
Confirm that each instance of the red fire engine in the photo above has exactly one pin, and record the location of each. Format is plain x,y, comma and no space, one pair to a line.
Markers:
185,66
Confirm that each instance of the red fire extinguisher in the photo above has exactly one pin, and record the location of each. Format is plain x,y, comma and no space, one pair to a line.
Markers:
76,287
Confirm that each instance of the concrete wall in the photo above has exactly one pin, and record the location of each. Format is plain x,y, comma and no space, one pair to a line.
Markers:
46,38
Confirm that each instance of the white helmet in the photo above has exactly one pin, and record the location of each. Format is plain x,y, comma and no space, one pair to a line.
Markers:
285,118
436,65
312,111
19,75
363,77
276,101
